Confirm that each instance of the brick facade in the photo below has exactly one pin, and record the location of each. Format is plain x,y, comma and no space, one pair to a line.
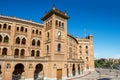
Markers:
30,50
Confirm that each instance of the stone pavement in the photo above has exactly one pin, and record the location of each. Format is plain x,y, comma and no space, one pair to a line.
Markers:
99,74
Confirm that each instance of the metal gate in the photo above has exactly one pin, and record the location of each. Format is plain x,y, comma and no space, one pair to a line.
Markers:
38,76
16,77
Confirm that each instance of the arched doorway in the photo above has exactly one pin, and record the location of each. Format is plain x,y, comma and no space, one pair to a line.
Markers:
73,70
67,72
18,71
38,73
0,73
78,68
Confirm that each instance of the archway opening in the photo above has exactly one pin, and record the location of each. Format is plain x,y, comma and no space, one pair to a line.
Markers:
78,68
18,70
67,72
0,70
38,73
73,70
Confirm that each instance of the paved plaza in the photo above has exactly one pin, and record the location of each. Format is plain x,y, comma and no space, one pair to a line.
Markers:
100,74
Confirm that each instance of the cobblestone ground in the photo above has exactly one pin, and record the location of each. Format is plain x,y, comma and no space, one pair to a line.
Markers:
101,74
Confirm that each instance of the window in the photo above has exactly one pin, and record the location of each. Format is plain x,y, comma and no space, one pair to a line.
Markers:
25,29
86,47
48,35
80,47
23,41
46,24
32,53
4,26
17,40
0,26
6,39
59,47
36,31
86,58
47,49
9,27
4,51
80,52
80,57
0,50
33,31
16,52
56,22
59,35
37,53
51,23
0,38
8,66
59,24
40,33
38,43
86,52
22,29
22,53
17,28
62,25
33,42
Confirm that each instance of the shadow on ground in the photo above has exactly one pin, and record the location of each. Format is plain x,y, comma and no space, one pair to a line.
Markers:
104,79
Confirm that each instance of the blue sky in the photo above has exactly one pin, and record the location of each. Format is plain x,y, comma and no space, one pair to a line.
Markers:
101,18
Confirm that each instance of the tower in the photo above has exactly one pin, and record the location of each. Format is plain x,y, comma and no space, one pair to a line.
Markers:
55,41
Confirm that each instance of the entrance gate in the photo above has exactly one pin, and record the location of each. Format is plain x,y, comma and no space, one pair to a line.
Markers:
18,71
38,73
59,74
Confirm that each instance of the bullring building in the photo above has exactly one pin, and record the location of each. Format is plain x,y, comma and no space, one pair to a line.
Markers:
34,51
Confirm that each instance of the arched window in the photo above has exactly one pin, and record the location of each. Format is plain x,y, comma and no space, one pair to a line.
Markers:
22,53
17,28
4,51
37,53
62,25
25,29
22,28
86,58
16,54
38,43
80,47
56,22
23,41
6,39
86,52
59,24
48,35
0,50
51,23
47,49
33,42
36,31
0,38
0,26
40,33
17,40
9,27
59,47
33,53
4,26
86,47
33,31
